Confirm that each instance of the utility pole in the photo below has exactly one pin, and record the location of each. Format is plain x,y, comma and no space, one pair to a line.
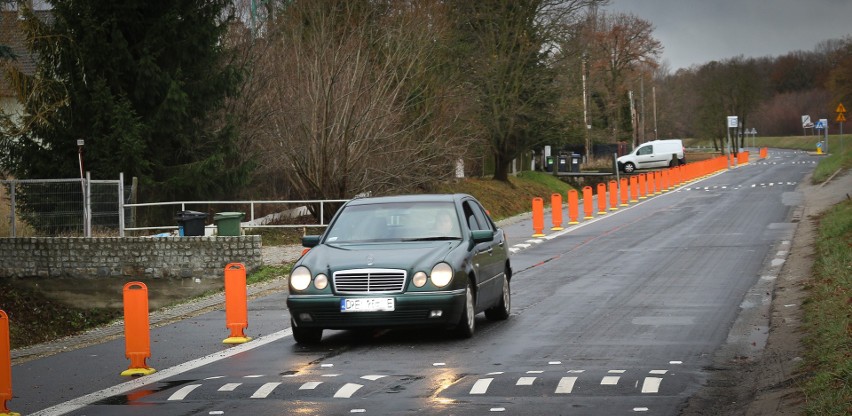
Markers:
654,96
586,124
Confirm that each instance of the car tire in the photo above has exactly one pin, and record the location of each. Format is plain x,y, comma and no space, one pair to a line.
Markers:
306,336
467,322
629,167
500,312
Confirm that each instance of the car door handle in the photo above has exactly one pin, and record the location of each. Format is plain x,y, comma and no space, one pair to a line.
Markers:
490,251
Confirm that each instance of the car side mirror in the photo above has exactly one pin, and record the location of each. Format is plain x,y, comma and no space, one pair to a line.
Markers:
482,236
310,241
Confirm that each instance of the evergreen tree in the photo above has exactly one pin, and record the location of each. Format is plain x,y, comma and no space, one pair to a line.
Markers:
143,82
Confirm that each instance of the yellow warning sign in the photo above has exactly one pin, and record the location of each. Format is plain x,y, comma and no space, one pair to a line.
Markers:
840,109
841,118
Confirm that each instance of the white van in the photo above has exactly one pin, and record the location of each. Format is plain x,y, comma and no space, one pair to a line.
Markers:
653,154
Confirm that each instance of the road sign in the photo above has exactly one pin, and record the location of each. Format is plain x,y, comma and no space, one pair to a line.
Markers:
807,123
840,108
753,131
841,118
732,121
819,125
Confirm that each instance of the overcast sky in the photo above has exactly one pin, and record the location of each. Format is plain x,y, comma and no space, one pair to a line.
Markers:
694,32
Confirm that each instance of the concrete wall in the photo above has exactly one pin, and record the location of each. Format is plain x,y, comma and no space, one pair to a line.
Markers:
178,257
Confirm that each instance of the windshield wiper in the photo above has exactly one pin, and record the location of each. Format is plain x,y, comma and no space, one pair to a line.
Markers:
441,238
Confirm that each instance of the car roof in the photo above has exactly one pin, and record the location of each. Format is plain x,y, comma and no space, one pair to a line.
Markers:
410,198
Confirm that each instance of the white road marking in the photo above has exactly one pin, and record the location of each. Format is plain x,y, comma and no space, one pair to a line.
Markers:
651,385
525,381
566,385
358,411
481,386
497,409
496,373
326,365
675,362
535,372
183,392
554,363
610,380
230,386
216,412
214,377
330,375
372,377
347,391
617,371
83,401
640,409
576,371
265,390
310,385
439,364
658,371
254,376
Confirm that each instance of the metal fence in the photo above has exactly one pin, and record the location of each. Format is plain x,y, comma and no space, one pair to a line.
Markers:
83,207
258,214
62,207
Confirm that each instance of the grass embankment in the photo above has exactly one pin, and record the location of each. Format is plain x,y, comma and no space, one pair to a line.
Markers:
35,317
828,317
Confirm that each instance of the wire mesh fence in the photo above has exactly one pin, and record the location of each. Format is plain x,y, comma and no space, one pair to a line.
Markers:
61,207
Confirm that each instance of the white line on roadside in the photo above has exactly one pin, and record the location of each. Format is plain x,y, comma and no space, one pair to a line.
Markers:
82,401
183,392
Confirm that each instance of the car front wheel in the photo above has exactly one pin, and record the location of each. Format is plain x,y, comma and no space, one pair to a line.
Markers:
467,323
306,336
629,167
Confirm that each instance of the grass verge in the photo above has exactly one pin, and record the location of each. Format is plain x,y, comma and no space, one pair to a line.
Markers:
828,317
832,163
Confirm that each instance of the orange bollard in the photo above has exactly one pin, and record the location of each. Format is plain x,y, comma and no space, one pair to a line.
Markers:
623,192
613,195
556,209
601,198
236,303
588,206
5,366
137,336
634,188
652,178
642,187
538,217
573,202
658,175
666,182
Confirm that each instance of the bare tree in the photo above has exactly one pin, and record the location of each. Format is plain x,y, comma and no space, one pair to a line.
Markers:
621,44
354,101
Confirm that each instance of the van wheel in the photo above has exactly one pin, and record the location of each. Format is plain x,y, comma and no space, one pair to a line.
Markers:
629,167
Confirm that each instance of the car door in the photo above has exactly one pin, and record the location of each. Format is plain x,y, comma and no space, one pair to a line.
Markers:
488,255
645,157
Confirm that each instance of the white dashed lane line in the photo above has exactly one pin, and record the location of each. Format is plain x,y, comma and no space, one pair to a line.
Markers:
347,390
265,390
183,392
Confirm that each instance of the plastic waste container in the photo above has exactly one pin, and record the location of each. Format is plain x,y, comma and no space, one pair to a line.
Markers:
575,162
191,223
228,223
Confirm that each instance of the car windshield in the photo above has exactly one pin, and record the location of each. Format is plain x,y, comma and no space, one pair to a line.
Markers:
397,221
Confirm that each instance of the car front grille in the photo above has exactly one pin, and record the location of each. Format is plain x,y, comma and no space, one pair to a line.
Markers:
358,281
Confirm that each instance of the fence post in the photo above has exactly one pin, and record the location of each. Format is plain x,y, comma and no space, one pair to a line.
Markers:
121,204
87,206
12,208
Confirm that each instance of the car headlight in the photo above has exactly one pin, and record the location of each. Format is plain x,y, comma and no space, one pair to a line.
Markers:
300,278
321,281
419,279
441,274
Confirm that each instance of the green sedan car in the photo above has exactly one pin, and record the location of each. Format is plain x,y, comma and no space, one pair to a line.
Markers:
402,261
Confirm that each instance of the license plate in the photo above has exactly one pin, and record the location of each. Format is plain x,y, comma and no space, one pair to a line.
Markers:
366,305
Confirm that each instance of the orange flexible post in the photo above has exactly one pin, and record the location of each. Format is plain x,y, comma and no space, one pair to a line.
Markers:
652,183
623,192
666,179
588,204
236,303
601,198
642,186
613,195
538,217
5,366
658,176
573,206
634,188
556,211
137,336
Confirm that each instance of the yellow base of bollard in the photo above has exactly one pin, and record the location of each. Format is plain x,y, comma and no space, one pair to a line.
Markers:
538,235
136,372
613,209
556,229
573,222
10,414
236,340
601,212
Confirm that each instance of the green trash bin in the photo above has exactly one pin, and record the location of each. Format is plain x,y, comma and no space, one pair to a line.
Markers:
228,223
